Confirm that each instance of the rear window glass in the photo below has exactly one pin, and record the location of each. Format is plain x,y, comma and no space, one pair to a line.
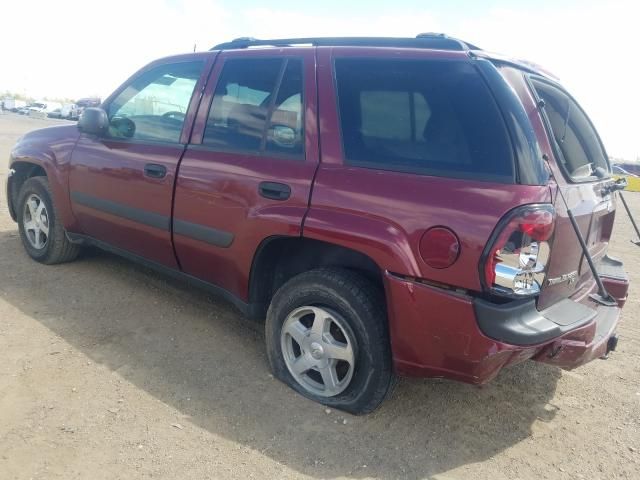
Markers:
427,117
577,140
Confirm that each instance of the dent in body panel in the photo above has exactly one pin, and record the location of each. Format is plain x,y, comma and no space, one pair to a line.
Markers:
435,334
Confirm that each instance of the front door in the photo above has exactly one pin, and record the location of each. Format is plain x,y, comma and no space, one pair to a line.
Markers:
121,184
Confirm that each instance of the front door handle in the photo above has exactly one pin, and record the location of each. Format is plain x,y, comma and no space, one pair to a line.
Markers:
274,190
154,170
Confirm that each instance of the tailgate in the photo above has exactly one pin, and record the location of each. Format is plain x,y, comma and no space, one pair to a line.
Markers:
568,271
582,171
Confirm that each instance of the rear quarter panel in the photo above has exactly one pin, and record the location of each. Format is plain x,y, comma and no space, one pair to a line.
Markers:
384,214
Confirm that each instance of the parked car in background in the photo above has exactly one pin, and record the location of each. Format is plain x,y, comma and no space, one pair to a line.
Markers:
56,113
390,206
42,108
631,167
85,103
621,171
70,111
13,104
88,102
37,107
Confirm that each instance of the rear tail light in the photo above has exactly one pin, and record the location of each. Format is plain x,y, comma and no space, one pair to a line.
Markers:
515,263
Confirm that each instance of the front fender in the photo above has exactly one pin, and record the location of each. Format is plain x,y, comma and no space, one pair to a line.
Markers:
47,150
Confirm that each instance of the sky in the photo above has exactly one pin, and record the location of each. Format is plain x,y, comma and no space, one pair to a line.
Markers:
77,48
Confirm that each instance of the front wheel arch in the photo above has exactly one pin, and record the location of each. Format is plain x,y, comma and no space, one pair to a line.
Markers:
20,172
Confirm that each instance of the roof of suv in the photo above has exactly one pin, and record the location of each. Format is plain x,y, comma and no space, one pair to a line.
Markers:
428,41
436,41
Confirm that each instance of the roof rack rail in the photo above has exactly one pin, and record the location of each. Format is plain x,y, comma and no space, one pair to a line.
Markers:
437,41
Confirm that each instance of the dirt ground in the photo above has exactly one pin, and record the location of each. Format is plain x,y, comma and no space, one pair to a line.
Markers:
108,370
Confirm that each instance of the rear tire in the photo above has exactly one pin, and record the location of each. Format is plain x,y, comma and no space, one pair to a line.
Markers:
42,235
327,338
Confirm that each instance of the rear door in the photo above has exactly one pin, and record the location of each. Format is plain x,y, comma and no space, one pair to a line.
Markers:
583,171
247,173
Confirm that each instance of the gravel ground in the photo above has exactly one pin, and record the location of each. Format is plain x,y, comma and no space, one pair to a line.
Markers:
111,371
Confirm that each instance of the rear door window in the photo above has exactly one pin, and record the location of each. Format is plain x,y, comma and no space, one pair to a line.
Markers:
257,108
579,146
421,116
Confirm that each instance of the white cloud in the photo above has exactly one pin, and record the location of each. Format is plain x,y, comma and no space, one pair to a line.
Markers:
267,23
590,48
75,48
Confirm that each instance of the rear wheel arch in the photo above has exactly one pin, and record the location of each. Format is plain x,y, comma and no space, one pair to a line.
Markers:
345,361
279,259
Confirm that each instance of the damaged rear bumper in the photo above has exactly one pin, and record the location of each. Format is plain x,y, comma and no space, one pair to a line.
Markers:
438,333
595,340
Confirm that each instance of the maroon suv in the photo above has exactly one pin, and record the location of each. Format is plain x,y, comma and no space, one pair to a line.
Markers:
392,206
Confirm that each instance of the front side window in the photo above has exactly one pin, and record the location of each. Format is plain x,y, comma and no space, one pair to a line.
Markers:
580,149
419,116
154,106
257,108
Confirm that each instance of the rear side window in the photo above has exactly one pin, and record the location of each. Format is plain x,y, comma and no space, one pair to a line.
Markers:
580,149
257,107
419,116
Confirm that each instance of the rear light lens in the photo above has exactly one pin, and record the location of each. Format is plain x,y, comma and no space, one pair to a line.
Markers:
515,265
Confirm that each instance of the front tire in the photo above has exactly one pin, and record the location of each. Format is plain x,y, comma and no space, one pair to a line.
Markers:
42,235
327,338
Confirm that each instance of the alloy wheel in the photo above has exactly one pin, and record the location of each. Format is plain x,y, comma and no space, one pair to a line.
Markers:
319,350
36,222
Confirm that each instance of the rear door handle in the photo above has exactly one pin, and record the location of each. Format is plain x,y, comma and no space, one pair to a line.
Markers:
154,170
274,190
